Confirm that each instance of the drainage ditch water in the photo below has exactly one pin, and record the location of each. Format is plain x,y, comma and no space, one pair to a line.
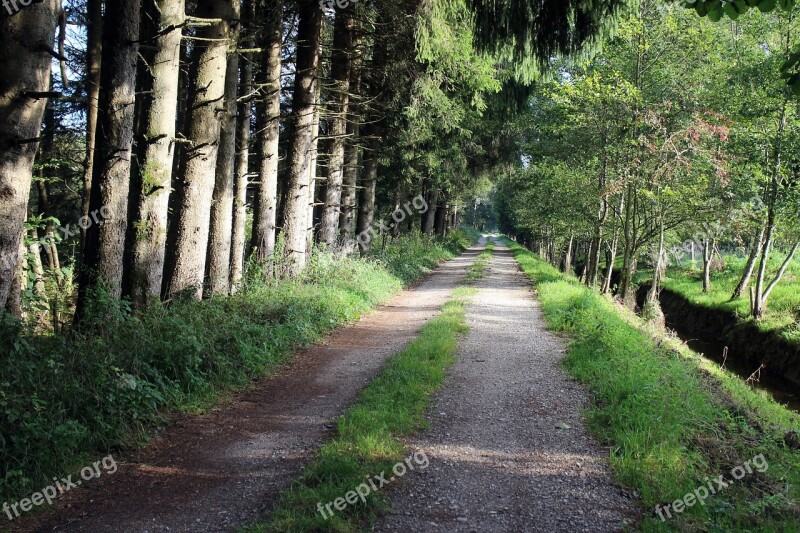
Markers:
706,332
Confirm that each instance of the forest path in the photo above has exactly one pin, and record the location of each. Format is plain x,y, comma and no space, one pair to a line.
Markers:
224,469
507,448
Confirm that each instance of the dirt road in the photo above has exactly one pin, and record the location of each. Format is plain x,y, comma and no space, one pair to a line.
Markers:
507,448
223,470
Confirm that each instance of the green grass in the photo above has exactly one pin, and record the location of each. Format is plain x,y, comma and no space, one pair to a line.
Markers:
66,400
366,443
670,418
783,308
478,268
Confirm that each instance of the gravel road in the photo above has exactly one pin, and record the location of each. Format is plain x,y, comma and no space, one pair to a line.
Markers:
508,450
224,469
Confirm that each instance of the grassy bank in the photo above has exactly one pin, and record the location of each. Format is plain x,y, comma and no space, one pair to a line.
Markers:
366,442
783,308
65,400
673,421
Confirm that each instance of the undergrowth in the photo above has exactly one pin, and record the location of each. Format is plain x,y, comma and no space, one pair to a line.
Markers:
672,421
67,399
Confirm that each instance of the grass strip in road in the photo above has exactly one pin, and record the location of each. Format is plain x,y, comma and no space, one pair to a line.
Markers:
673,422
478,269
366,442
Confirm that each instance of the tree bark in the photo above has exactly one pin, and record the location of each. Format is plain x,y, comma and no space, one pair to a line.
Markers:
430,216
313,174
304,103
219,241
440,218
347,218
779,274
189,231
105,242
759,302
367,212
13,304
264,216
340,72
708,257
244,116
629,248
658,267
162,23
48,237
744,281
25,40
94,49
568,255
610,258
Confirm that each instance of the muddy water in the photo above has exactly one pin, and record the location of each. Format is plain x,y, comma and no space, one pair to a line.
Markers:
782,390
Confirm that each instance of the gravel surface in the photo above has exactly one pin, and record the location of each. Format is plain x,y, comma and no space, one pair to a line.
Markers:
508,450
224,469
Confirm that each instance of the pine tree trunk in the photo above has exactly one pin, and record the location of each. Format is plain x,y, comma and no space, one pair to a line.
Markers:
347,218
367,214
188,237
304,103
430,216
162,22
440,218
94,49
244,116
48,238
219,241
340,72
269,115
313,177
105,243
24,41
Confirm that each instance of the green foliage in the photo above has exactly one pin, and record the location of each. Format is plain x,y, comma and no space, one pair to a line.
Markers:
670,420
64,398
366,443
413,255
715,10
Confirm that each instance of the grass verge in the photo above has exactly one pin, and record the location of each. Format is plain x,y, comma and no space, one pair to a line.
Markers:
673,421
67,400
366,443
